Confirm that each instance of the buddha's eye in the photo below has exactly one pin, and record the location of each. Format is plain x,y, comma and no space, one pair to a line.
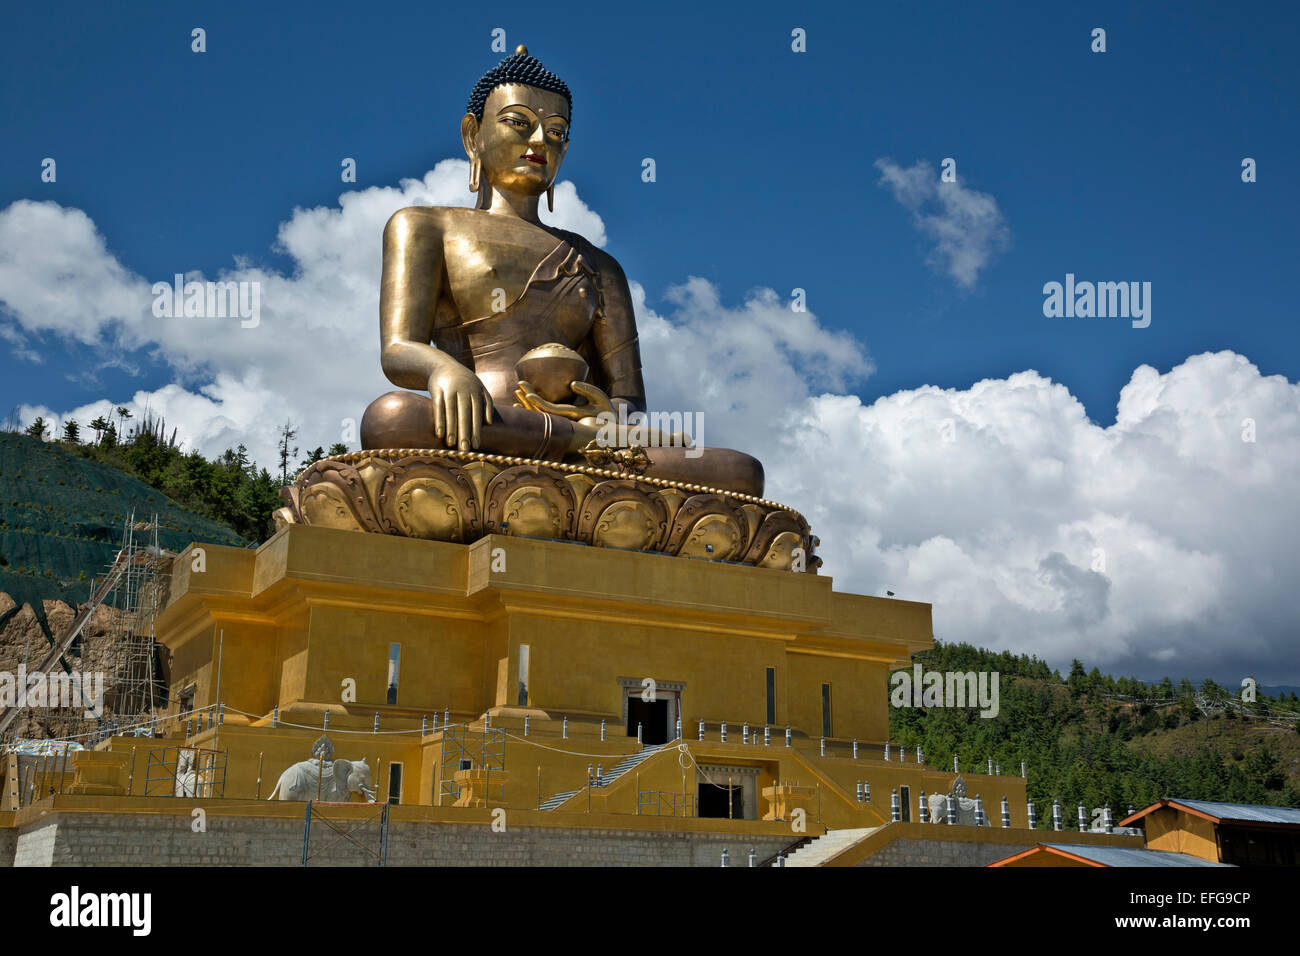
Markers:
513,121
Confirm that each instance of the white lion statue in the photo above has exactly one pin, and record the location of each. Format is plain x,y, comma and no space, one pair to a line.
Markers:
187,777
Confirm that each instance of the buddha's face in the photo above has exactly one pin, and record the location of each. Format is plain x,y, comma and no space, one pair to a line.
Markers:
522,138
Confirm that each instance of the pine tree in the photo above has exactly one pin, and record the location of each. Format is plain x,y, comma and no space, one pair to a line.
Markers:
99,423
287,434
313,456
1078,677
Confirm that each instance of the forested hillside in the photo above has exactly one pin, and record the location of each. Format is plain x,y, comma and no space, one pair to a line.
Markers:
1093,739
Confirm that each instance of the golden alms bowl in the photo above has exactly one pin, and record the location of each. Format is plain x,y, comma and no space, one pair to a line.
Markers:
550,369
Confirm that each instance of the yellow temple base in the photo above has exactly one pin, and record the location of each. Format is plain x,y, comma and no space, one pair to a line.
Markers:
492,676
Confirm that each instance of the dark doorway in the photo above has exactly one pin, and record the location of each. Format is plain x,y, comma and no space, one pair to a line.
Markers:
394,783
905,798
652,715
713,801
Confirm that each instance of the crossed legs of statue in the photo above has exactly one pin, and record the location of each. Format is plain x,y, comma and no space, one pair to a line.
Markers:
404,419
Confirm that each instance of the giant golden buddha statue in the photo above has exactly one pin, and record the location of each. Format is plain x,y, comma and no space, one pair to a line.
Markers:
467,293
514,345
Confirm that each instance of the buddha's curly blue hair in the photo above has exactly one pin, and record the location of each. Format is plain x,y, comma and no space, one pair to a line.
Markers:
519,67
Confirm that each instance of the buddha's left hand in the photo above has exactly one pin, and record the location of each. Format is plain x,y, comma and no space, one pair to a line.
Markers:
597,403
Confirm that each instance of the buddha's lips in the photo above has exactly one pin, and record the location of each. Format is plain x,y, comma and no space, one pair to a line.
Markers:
534,158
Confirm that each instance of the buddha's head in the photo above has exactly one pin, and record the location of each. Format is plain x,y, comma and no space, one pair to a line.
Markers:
516,128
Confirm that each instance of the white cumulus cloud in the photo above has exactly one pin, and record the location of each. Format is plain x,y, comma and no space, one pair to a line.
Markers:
1162,543
966,225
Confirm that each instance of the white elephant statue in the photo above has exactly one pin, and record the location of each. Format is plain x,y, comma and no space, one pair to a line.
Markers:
939,810
332,781
965,807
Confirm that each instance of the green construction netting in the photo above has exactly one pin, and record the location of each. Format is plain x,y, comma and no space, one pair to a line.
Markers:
62,517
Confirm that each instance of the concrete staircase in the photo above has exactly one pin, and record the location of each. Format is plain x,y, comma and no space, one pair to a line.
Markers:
823,848
558,799
627,764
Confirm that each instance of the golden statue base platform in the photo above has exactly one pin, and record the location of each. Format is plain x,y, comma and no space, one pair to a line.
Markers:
460,497
533,660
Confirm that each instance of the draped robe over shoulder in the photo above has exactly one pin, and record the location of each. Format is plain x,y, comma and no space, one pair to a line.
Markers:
563,301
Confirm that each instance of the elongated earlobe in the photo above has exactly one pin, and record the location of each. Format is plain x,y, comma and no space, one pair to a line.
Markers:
550,198
468,135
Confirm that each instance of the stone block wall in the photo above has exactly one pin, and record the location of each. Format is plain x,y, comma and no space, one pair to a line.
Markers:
940,853
104,839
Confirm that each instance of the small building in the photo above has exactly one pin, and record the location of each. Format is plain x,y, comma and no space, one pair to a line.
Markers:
1074,854
1241,834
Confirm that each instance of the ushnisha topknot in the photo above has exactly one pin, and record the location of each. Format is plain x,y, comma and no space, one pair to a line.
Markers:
519,68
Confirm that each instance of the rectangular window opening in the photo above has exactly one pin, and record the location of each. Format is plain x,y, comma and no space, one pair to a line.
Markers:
771,695
826,710
523,675
394,663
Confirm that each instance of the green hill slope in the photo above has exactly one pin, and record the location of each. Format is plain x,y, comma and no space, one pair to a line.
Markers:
62,516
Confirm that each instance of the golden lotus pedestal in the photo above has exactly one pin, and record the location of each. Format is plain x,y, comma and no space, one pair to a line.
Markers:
460,497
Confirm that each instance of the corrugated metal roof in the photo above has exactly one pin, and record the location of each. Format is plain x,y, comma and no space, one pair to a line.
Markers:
1127,856
1252,812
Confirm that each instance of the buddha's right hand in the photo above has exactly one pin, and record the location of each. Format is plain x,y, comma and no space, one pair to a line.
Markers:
462,405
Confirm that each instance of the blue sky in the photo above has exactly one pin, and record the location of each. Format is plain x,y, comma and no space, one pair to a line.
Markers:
775,170
1116,166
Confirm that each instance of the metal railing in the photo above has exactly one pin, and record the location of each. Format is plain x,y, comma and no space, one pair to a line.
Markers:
665,803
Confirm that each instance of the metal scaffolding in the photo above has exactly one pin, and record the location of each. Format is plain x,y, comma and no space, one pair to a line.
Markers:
466,749
367,833
185,772
138,596
134,586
